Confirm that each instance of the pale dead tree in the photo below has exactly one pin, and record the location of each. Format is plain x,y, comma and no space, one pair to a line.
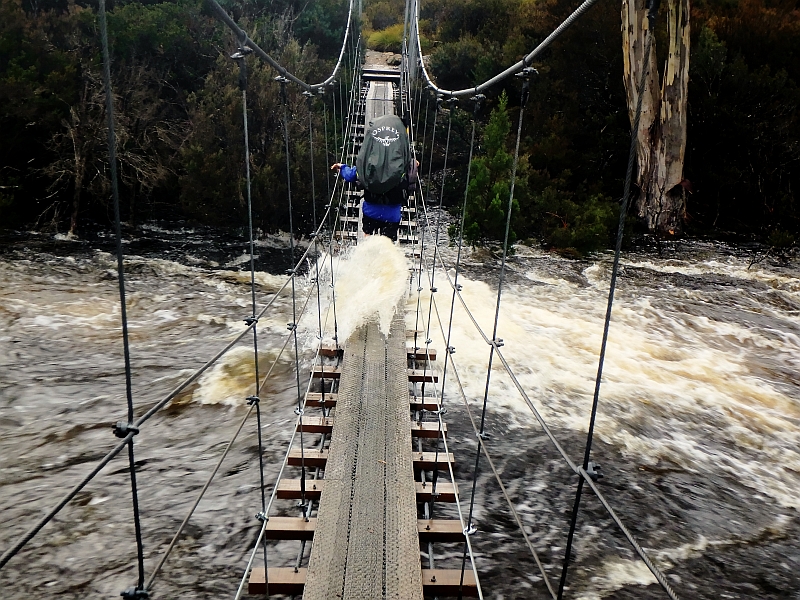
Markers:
661,137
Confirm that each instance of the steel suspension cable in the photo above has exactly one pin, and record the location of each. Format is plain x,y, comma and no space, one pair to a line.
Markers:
240,58
515,68
652,6
489,459
495,341
122,429
293,324
244,40
537,415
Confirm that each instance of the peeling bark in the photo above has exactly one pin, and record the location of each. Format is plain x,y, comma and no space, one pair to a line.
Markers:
661,136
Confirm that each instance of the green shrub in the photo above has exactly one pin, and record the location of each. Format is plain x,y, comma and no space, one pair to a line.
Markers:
387,40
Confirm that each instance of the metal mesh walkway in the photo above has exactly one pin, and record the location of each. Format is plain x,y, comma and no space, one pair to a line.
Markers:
366,543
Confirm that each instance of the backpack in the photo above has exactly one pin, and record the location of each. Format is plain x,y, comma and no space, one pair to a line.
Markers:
383,160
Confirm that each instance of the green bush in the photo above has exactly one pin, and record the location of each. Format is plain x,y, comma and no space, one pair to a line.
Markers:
387,40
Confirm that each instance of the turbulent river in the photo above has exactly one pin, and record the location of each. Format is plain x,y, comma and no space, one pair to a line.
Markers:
697,435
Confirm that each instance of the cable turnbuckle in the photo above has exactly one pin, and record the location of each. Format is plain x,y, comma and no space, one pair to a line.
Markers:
253,400
593,470
291,326
262,516
134,593
250,320
122,429
470,529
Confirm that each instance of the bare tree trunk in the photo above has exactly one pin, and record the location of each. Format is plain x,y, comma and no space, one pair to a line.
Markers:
661,137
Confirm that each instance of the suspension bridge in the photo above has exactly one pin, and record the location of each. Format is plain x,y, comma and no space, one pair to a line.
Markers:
368,463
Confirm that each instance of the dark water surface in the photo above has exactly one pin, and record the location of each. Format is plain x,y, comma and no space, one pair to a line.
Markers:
697,437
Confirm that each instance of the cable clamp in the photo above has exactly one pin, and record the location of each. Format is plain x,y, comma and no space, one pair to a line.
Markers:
281,79
459,287
134,593
290,271
253,400
299,411
451,349
497,342
291,326
419,289
593,470
308,94
526,73
484,435
262,516
441,412
122,429
242,52
434,290
428,341
470,529
250,320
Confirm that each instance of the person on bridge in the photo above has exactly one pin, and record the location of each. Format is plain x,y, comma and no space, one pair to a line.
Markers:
386,173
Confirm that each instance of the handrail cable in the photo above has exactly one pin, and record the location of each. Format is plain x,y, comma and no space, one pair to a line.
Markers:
122,429
254,400
439,416
233,439
293,325
483,447
513,69
244,40
263,527
578,470
588,472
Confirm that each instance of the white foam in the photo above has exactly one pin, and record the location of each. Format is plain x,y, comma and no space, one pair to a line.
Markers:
370,285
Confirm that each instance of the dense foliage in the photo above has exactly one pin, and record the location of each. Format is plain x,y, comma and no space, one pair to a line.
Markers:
744,135
178,111
180,128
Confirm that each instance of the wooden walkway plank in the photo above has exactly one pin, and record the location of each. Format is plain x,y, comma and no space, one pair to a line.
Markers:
435,582
314,457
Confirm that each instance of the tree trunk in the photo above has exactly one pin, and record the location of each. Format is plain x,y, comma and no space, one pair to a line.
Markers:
661,136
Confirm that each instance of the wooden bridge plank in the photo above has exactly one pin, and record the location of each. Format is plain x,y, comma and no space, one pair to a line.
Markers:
435,582
315,457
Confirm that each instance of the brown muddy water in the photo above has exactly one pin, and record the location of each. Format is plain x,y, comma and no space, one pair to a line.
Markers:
697,434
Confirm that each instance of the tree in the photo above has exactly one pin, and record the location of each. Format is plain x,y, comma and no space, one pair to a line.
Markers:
490,182
661,136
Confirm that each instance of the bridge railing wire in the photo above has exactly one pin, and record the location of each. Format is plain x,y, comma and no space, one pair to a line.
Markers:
420,201
582,472
133,428
245,40
262,530
513,69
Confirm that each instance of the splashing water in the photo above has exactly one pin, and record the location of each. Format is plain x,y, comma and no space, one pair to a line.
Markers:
373,280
